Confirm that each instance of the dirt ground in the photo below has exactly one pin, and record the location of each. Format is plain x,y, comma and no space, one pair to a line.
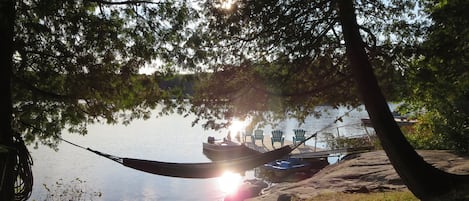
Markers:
366,172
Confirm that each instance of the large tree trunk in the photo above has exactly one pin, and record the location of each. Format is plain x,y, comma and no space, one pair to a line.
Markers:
425,181
7,160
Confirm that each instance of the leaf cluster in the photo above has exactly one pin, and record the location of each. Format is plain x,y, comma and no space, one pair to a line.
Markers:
287,57
438,79
77,62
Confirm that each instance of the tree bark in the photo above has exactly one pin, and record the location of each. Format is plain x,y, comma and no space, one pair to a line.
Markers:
425,181
7,160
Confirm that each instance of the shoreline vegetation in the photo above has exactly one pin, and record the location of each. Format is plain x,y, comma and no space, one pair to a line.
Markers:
363,176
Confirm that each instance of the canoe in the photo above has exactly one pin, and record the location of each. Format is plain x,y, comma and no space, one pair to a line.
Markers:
226,150
288,165
291,169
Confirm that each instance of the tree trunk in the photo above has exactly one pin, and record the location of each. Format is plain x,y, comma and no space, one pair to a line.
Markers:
8,159
425,181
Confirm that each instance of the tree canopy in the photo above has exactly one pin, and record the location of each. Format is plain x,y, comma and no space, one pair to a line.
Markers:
290,56
438,78
66,64
79,59
76,62
363,36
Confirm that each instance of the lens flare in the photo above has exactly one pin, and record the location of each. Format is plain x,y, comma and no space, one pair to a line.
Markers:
227,4
237,126
229,182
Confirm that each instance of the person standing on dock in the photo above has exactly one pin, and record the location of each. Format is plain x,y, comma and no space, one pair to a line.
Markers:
228,137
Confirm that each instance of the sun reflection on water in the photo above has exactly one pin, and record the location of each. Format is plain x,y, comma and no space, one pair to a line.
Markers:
229,182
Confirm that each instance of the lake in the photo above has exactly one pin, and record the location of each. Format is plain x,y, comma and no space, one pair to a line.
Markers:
169,138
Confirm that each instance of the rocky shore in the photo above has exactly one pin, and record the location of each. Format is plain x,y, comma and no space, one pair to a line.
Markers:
360,173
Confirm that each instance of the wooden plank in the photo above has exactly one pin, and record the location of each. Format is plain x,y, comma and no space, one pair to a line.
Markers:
302,151
267,146
326,153
400,122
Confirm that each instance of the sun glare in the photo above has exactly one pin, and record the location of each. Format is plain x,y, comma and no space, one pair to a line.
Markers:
229,182
237,126
226,4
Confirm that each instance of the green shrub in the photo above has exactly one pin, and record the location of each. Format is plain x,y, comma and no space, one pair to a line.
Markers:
422,135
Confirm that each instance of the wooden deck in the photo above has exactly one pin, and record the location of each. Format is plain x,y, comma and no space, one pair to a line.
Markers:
267,146
326,153
302,151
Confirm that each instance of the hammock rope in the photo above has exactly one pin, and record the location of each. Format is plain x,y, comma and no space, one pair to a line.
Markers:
109,156
194,170
204,170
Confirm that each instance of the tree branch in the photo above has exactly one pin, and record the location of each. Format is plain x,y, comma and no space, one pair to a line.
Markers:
123,2
368,31
42,92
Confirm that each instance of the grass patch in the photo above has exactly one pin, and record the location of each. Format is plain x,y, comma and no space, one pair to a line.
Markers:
381,196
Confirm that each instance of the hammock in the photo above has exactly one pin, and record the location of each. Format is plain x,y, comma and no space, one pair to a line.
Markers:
196,170
203,170
206,170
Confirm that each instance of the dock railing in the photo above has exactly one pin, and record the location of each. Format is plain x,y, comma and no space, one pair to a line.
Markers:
333,141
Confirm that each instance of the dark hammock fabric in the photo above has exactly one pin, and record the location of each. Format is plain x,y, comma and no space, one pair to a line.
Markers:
203,170
206,170
196,170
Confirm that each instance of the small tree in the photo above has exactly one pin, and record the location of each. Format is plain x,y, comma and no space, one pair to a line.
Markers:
438,79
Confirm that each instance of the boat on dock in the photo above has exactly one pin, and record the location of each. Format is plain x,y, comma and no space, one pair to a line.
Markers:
226,150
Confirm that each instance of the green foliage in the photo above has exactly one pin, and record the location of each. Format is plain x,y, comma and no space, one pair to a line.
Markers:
77,62
340,142
438,78
421,135
279,59
269,91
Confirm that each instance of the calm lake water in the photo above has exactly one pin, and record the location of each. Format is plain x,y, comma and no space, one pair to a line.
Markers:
170,138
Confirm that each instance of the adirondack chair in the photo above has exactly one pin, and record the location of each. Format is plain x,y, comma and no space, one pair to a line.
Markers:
277,136
247,133
258,135
299,136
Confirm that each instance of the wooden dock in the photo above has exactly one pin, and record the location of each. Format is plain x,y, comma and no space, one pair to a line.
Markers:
327,153
267,146
304,151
